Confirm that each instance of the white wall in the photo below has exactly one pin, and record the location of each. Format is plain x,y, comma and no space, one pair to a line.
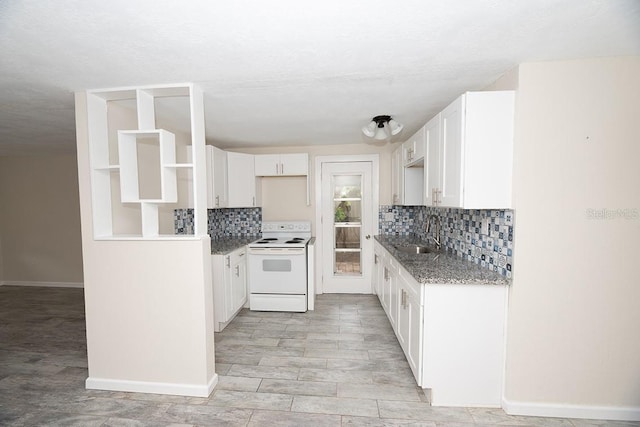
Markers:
40,220
149,304
573,346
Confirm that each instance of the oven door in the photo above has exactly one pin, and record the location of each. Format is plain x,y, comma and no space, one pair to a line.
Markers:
277,271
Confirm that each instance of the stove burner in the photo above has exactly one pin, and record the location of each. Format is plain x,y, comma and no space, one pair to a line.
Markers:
268,238
294,241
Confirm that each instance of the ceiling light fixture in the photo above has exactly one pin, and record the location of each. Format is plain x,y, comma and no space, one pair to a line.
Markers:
382,127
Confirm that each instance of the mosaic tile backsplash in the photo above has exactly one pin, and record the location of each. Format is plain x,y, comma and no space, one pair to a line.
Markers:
484,237
231,222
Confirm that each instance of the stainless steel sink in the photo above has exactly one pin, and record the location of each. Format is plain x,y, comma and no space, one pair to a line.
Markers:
416,249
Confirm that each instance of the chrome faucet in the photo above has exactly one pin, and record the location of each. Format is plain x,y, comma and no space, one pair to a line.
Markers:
436,237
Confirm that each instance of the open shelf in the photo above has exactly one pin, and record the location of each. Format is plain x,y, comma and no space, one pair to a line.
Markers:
129,156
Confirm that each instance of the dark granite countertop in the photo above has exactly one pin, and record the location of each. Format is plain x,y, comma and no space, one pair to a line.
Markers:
439,268
226,245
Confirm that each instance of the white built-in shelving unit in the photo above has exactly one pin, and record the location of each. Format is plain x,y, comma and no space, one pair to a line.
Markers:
115,165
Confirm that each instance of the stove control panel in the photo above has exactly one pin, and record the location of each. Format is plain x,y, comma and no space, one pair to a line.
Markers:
290,226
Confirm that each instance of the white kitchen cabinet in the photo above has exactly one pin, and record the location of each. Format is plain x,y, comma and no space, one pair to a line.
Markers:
474,152
463,344
378,268
296,164
216,177
390,289
452,335
229,286
242,189
432,160
397,176
410,325
407,183
413,148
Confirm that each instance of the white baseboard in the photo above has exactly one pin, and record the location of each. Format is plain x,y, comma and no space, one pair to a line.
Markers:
152,387
43,284
618,413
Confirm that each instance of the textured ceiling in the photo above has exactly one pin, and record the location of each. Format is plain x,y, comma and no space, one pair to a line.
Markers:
287,72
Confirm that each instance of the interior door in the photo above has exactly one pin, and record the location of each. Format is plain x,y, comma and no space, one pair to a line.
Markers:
347,227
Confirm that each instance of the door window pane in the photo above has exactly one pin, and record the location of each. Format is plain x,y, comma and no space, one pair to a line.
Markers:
348,263
347,186
348,237
347,204
347,210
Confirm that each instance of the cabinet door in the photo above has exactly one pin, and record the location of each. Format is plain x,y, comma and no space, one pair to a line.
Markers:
216,177
294,164
376,269
267,164
451,154
242,180
409,327
238,285
225,294
432,160
397,177
413,344
220,178
402,325
219,275
386,289
393,295
413,149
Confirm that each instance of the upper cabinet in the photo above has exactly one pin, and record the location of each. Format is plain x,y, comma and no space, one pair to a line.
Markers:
413,149
397,176
282,164
469,148
216,178
407,171
431,164
242,189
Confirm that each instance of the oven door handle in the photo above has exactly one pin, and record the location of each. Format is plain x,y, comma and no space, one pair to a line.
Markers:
277,251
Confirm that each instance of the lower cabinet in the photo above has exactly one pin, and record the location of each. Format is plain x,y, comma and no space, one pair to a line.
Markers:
409,328
452,334
463,350
229,286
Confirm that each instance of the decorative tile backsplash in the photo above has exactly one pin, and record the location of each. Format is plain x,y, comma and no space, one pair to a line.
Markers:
484,237
231,222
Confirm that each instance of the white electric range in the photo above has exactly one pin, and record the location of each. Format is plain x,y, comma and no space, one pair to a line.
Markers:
278,267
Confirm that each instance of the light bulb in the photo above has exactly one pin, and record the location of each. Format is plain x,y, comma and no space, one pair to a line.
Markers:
382,132
370,129
396,127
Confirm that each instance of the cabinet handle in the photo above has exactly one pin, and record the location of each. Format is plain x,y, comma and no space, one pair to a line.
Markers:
217,201
237,271
228,261
386,274
375,259
253,201
277,171
281,168
242,254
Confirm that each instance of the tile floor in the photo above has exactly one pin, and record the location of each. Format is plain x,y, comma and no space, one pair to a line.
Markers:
337,366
